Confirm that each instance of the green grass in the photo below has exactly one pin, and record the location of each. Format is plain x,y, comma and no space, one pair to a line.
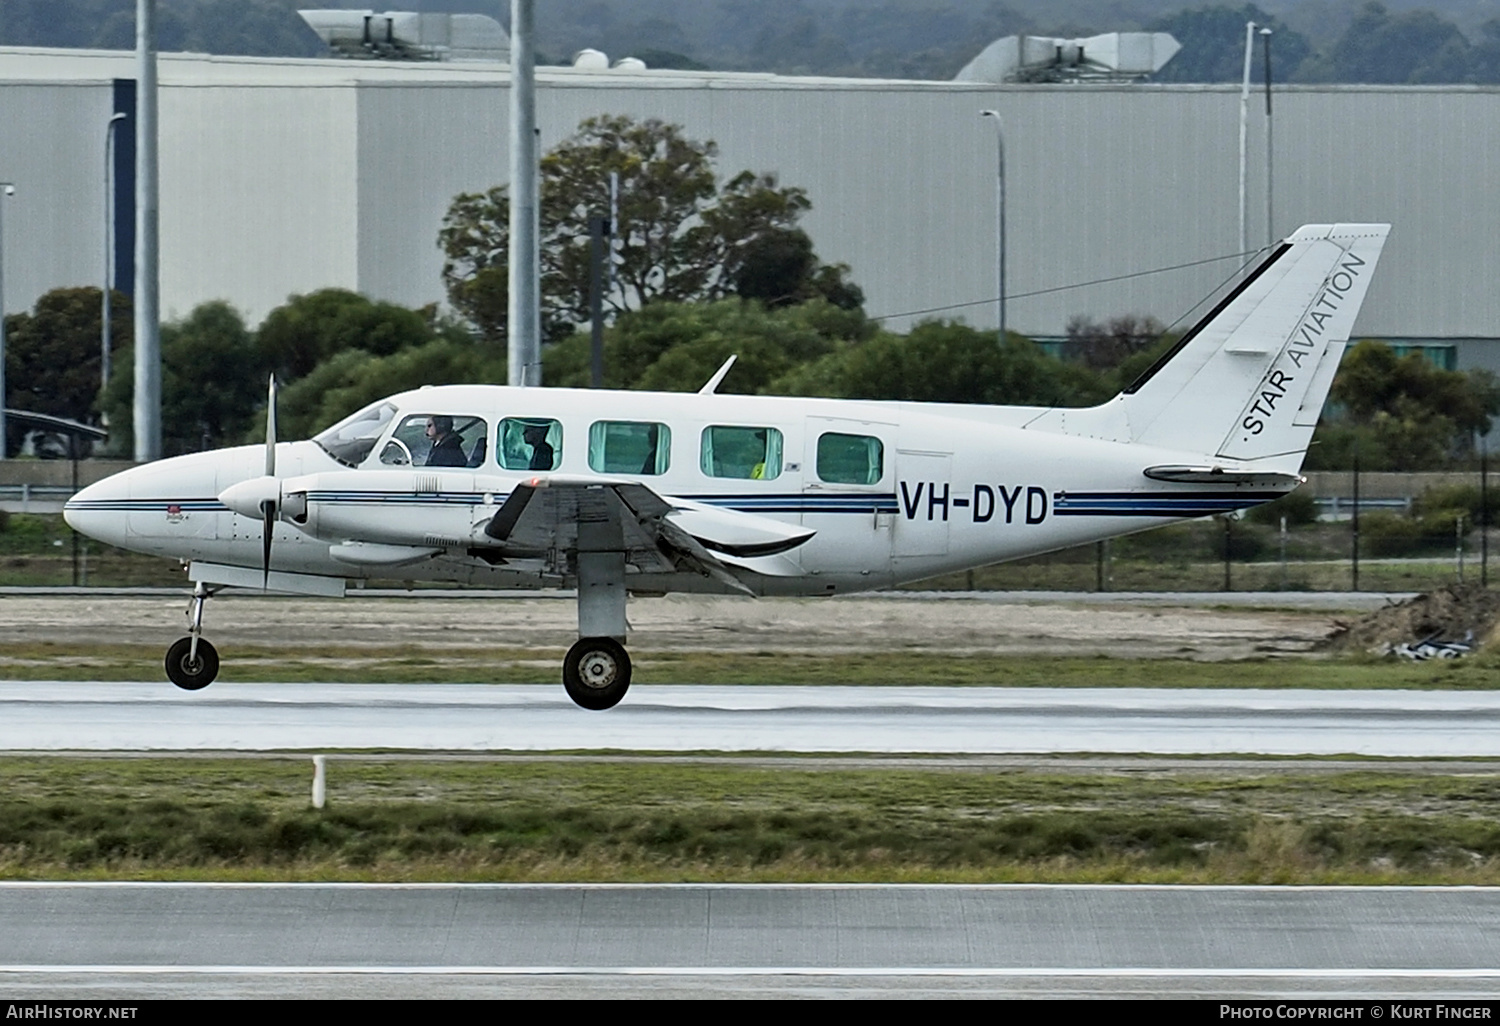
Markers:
418,665
713,820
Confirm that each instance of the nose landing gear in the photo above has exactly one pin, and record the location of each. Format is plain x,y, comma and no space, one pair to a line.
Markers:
193,663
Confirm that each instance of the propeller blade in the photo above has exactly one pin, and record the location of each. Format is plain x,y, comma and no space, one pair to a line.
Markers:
271,428
268,507
268,525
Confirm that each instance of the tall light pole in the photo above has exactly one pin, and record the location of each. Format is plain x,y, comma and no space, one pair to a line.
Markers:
523,326
1244,120
999,217
6,189
105,361
1265,37
147,272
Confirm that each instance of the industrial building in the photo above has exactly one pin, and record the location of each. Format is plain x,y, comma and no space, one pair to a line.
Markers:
285,176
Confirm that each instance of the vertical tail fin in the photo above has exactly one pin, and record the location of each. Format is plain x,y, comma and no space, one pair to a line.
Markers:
1249,380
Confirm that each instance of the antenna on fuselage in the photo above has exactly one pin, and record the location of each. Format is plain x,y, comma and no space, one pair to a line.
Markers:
713,382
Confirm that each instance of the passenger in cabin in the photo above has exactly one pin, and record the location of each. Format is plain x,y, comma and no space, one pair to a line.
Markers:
758,471
541,450
447,447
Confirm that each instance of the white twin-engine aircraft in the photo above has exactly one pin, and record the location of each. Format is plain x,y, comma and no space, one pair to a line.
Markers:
618,492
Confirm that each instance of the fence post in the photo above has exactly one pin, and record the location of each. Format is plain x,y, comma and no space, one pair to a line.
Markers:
1458,545
1283,553
1228,540
1355,527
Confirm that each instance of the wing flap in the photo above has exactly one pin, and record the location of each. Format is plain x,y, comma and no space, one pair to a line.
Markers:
658,535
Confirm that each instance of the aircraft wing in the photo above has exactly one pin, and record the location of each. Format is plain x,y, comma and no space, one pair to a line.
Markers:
657,534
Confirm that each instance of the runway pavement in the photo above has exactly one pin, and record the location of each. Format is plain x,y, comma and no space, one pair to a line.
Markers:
54,716
432,940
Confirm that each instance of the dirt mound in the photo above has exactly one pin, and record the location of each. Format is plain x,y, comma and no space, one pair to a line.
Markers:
1464,612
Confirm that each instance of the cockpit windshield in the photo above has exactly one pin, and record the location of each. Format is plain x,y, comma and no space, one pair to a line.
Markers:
351,439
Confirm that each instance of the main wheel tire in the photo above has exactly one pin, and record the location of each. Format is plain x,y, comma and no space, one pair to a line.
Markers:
190,674
596,672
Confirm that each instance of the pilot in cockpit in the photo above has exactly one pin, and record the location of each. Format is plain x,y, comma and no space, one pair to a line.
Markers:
447,447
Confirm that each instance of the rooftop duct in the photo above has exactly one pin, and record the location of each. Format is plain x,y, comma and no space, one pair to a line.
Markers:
409,36
1113,57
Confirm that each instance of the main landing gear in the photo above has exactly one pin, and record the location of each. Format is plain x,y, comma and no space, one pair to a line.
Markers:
596,670
193,663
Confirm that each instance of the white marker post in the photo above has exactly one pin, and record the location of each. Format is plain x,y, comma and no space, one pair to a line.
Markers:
320,781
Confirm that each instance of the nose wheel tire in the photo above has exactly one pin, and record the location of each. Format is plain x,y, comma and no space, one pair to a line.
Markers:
596,672
188,673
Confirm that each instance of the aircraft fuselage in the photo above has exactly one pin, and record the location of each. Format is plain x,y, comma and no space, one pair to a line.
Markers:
914,493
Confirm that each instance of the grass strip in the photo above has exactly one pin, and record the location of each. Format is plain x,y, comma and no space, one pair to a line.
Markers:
517,820
417,665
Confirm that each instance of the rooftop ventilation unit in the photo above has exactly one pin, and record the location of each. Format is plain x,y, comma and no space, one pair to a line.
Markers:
409,36
597,60
591,60
1114,57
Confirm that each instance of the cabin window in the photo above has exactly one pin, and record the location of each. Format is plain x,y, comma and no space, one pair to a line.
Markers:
749,453
629,447
437,440
530,443
351,439
850,459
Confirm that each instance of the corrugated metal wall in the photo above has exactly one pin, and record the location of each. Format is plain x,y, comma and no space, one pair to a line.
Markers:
1101,183
258,194
54,224
283,177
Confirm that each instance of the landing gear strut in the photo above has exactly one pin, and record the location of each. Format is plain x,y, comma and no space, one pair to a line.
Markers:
596,671
193,663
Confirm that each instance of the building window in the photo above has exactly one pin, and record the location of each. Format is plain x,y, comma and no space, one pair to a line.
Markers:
1441,357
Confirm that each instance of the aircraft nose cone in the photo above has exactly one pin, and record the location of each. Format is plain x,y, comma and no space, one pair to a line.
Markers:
99,510
247,497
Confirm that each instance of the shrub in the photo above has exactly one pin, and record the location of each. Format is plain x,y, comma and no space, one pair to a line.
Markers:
1299,507
1448,498
1244,545
1389,534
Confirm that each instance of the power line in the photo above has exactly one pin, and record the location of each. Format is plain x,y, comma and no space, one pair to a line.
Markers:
1079,285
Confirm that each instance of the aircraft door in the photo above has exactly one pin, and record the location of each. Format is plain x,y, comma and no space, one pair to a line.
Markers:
847,497
925,498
